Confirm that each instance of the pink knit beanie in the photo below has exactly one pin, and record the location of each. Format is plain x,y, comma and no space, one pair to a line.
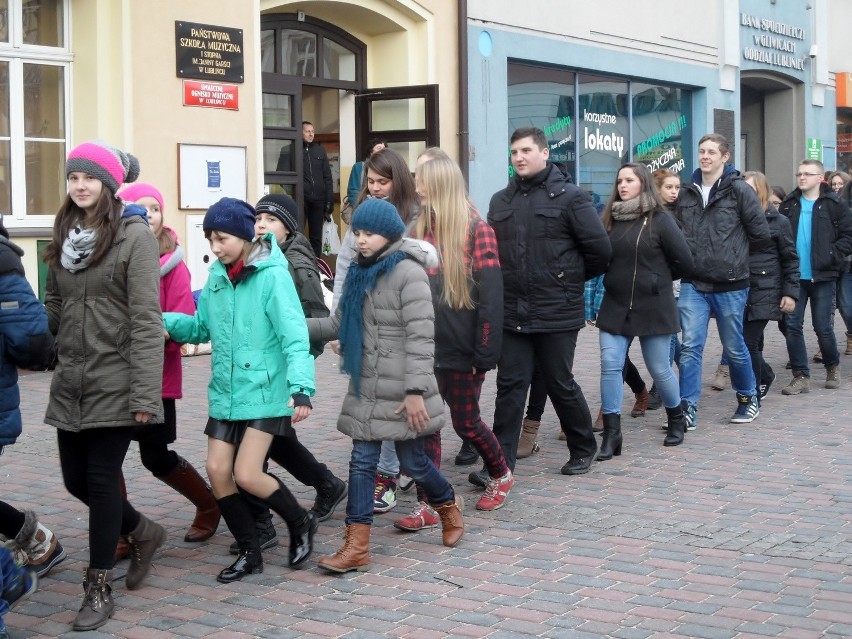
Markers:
110,165
135,192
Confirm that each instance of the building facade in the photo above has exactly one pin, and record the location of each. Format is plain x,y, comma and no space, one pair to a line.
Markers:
609,85
210,96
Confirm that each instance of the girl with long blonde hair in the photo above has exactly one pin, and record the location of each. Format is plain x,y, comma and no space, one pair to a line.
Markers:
467,293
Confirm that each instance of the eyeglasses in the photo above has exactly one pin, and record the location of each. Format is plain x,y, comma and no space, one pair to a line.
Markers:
798,175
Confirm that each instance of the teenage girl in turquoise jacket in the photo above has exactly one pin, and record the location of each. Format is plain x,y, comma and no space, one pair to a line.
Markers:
262,376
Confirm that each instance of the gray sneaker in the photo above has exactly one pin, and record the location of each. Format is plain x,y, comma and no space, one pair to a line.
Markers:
832,376
800,384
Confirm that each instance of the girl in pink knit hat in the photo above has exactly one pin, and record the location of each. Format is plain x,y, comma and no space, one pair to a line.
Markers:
175,295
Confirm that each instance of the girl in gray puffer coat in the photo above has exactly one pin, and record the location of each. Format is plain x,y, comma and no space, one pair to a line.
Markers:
385,323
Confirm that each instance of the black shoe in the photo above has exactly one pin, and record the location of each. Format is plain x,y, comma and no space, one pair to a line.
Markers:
480,478
329,494
763,389
577,465
302,540
467,455
250,562
266,537
654,399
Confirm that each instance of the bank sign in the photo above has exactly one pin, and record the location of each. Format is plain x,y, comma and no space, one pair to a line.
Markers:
768,42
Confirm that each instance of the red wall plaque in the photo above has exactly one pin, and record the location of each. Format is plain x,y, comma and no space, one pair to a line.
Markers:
214,95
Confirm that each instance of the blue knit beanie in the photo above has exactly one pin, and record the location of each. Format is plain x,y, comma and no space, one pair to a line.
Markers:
231,216
380,217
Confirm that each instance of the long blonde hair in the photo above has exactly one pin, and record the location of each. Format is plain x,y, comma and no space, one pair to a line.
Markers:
761,186
446,213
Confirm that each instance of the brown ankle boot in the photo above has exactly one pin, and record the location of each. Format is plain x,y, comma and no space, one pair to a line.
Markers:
641,404
186,480
355,554
144,541
98,605
848,343
528,442
452,522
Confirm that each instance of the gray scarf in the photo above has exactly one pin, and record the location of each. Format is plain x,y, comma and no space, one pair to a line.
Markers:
626,210
77,248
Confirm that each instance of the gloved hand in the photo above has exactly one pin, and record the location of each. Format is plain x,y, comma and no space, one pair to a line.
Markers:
326,216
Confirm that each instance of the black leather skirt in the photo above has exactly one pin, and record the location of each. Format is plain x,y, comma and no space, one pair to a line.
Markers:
232,431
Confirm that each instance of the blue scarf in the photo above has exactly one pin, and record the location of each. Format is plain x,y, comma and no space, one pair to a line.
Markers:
359,280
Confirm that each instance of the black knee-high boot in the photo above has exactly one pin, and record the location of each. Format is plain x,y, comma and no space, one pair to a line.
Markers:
301,523
238,517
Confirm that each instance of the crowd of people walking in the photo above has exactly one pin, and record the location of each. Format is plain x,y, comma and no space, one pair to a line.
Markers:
428,297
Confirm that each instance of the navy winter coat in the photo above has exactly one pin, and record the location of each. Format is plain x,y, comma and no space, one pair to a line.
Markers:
25,340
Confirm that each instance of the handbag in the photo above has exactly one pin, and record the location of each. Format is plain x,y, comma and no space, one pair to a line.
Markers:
346,210
330,238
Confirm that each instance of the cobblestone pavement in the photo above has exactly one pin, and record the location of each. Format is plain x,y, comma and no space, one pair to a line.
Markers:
742,532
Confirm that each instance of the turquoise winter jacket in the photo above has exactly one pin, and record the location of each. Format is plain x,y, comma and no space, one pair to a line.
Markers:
260,344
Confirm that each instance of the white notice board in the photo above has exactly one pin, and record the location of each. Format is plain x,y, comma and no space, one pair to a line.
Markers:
207,173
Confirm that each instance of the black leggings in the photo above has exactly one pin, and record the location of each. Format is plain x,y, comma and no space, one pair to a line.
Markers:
91,468
156,456
11,520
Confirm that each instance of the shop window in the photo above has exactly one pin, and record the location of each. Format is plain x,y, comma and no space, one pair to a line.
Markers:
617,120
603,138
544,97
34,63
661,127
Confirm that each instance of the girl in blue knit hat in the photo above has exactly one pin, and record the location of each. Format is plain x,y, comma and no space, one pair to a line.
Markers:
385,323
262,378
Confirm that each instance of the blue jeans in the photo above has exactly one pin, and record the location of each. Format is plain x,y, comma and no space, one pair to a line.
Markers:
362,477
8,571
388,461
844,299
821,296
655,351
695,308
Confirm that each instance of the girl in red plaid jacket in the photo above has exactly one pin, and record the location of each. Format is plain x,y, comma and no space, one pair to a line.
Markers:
467,292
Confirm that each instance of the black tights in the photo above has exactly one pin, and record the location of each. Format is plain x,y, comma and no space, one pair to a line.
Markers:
11,520
91,468
156,456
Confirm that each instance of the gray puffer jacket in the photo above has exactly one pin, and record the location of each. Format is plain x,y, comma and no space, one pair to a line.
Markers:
398,352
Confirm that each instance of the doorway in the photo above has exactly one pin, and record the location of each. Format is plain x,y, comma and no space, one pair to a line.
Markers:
772,126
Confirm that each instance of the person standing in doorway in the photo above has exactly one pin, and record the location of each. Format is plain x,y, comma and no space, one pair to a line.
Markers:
550,241
723,220
318,189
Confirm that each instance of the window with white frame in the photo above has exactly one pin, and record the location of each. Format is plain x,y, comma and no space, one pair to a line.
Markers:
34,66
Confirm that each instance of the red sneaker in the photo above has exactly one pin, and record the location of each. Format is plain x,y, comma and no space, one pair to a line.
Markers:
423,516
496,492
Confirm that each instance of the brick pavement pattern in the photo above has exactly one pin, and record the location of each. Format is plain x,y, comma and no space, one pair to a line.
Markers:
741,532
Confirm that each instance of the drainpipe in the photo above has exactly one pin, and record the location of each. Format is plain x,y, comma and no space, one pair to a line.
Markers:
464,141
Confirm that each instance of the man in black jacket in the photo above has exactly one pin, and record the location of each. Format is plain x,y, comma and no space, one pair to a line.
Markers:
822,226
722,220
550,242
318,190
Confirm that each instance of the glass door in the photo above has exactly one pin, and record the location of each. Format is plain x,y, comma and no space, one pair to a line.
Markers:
282,135
405,117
